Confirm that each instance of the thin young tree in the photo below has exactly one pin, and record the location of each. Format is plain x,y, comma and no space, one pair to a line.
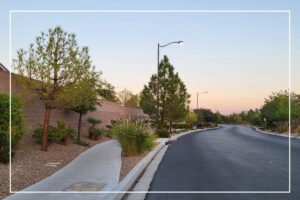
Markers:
82,97
49,65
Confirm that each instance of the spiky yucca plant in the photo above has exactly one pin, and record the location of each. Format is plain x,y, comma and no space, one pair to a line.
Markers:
135,136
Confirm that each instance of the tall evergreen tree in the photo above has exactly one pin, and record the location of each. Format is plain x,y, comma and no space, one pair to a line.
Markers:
172,94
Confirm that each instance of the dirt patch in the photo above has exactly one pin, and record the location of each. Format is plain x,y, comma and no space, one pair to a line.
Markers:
31,165
129,162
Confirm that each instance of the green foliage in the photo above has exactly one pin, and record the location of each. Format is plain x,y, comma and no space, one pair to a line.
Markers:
180,126
127,98
50,65
163,133
135,136
96,132
206,114
16,125
108,133
191,118
55,134
82,143
173,94
107,92
93,121
276,108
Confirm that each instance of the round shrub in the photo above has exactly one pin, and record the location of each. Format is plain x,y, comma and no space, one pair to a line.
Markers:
55,134
95,133
16,125
135,136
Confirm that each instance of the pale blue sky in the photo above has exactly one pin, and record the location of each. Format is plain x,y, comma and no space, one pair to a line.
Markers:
239,58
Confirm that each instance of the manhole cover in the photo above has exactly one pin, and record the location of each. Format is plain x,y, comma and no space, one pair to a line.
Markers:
85,186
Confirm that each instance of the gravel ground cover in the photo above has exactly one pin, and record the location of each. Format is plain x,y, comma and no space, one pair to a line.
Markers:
129,162
4,180
31,165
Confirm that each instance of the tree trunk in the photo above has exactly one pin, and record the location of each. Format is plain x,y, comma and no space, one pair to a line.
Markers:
79,128
162,120
171,123
44,146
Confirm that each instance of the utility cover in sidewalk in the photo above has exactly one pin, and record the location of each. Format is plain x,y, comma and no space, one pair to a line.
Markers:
85,186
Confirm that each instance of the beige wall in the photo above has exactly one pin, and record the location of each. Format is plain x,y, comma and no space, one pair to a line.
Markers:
34,110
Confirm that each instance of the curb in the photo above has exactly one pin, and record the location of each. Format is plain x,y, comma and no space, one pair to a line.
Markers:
126,184
120,190
274,134
192,131
143,184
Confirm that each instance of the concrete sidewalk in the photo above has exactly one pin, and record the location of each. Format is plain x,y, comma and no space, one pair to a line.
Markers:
96,169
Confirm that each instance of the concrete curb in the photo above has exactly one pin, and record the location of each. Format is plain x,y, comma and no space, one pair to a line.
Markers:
126,184
130,179
144,182
274,134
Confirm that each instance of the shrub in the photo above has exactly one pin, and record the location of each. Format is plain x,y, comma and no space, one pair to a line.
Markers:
16,125
108,134
83,143
163,133
55,134
179,126
93,121
134,136
282,128
95,133
298,130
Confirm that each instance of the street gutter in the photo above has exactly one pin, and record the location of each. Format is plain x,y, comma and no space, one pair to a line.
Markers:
274,134
143,180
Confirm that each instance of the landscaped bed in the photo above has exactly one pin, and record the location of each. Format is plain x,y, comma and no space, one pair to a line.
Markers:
129,162
31,165
4,180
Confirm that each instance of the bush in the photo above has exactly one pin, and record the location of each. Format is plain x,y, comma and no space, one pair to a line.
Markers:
179,126
95,133
134,136
16,125
82,143
108,134
282,128
298,130
163,133
55,134
93,121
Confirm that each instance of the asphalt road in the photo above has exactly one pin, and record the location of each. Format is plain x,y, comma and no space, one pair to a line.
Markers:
232,158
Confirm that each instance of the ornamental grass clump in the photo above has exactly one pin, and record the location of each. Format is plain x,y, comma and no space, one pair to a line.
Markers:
135,136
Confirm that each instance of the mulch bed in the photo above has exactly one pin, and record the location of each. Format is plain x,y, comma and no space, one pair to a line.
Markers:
4,180
30,165
129,162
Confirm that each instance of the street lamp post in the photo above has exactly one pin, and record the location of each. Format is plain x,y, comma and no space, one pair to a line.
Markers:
157,80
197,97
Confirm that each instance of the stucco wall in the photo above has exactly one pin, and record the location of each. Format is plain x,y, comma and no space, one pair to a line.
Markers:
34,109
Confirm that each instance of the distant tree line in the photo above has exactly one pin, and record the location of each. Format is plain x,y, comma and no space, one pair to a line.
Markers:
274,114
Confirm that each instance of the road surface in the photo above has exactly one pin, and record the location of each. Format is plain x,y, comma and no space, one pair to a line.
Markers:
232,158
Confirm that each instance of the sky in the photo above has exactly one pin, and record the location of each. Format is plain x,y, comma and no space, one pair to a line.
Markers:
238,58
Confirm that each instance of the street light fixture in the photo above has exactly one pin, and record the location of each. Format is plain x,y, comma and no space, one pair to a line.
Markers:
157,80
